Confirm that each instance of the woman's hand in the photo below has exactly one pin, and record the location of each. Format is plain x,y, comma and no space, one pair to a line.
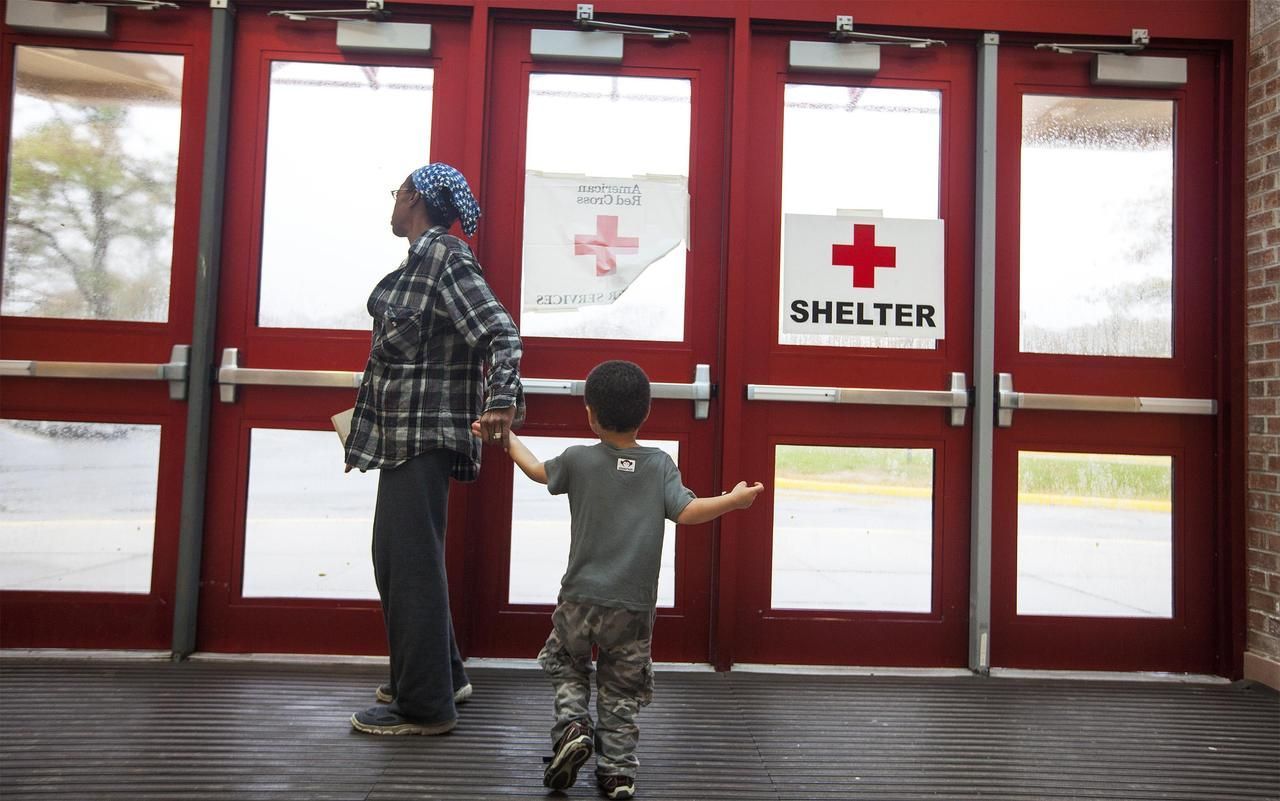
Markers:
494,425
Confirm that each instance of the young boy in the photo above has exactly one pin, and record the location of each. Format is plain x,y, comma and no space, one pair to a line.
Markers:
619,495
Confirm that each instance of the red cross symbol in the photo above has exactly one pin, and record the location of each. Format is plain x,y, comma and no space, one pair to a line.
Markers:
864,256
604,244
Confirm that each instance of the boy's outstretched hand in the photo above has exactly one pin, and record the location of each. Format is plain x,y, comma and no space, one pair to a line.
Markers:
703,510
742,496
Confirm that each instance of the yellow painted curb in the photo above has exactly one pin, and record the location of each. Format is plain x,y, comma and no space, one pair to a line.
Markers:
1131,504
849,488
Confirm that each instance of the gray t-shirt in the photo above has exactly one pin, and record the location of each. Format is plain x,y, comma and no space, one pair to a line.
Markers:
618,499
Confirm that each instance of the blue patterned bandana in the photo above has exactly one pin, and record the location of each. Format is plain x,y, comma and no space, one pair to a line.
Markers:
445,190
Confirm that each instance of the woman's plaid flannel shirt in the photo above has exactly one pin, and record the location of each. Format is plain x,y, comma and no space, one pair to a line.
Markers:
436,326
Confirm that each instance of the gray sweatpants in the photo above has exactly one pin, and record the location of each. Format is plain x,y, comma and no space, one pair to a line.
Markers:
624,678
409,568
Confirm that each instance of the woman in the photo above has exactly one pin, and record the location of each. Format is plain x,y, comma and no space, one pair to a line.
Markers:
436,326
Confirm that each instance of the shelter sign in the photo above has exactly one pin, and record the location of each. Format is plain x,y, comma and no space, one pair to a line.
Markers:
586,239
857,276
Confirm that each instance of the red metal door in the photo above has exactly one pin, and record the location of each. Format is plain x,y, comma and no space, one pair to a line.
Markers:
102,173
661,110
319,137
1105,525
858,553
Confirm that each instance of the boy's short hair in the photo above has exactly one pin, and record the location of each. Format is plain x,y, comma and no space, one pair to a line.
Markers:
618,392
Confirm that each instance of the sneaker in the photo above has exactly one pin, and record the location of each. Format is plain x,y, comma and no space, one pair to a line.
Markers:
380,720
616,786
571,751
385,696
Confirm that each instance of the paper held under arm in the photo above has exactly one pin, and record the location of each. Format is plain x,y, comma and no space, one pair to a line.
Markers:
342,424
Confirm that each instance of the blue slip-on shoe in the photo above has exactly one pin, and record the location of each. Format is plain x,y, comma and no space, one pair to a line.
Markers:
381,720
385,696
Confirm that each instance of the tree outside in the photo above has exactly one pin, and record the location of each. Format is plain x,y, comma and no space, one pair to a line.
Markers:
89,219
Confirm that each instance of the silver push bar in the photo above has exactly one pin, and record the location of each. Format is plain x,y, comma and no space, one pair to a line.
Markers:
174,371
699,391
1008,401
232,375
956,398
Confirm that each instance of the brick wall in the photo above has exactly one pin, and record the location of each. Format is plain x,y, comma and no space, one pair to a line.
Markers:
1262,248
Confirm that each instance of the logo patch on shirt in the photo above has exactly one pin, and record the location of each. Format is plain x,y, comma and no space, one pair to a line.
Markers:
627,465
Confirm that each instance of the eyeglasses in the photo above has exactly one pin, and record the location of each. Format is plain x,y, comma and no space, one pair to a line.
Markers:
395,193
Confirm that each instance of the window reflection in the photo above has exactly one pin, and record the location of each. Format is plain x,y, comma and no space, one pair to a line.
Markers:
77,506
93,162
623,130
1096,270
853,529
540,531
1095,535
860,151
308,525
339,136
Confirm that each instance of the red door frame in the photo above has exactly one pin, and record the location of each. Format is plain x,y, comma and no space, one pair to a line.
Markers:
1188,641
97,619
767,635
503,629
1224,23
228,621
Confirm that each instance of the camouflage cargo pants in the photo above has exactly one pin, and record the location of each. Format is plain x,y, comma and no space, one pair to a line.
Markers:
624,677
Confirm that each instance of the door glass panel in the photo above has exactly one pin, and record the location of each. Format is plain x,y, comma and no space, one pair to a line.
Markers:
604,253
308,527
339,138
1096,275
540,531
93,165
77,506
862,152
1095,535
853,528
